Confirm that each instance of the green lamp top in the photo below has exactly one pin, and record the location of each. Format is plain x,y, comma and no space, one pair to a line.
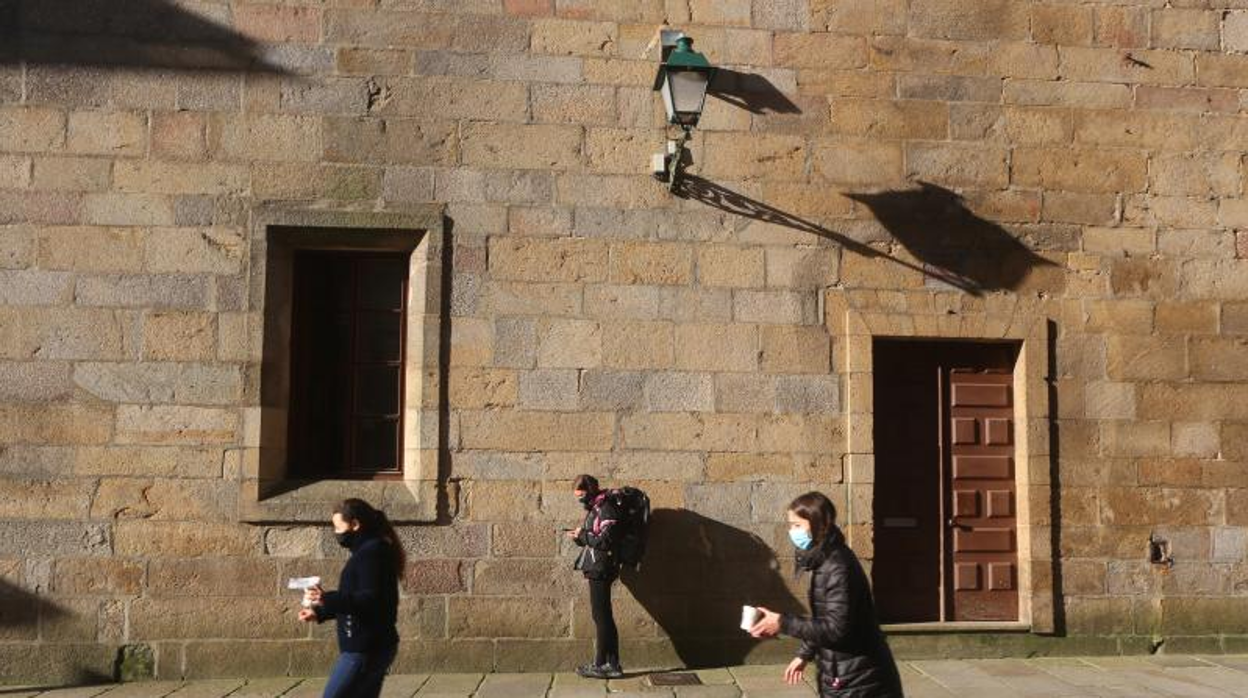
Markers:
683,56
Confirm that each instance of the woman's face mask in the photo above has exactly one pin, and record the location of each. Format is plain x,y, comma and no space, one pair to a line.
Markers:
343,531
799,532
346,538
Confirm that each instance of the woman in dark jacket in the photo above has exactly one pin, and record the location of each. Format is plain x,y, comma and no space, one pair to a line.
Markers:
366,603
842,633
597,561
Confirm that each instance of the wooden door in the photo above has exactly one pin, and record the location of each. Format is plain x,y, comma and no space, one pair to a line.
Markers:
982,541
945,540
907,509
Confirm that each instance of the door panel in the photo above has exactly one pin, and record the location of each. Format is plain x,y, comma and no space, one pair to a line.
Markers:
983,468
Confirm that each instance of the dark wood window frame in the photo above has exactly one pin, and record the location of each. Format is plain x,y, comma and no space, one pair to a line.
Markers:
323,300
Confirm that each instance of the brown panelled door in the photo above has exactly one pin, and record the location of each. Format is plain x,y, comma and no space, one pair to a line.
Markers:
981,536
945,527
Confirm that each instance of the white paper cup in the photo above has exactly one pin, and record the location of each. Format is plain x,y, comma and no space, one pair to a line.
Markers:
749,616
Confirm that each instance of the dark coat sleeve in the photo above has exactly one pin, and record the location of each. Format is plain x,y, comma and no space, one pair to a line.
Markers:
832,625
607,522
364,596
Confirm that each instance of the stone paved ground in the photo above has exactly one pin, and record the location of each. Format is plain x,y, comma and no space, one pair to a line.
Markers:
1067,677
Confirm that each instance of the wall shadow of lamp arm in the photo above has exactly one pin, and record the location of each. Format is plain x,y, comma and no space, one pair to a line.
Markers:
952,245
134,34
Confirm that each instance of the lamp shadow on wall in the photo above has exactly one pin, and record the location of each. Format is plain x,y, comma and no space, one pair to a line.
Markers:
144,34
952,244
751,92
697,574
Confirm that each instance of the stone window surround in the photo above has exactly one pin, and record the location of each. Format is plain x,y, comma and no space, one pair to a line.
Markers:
266,493
1032,450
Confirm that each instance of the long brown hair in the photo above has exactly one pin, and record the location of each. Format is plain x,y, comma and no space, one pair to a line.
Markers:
816,508
374,521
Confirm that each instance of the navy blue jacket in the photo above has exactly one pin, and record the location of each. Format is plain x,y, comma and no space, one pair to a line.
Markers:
366,603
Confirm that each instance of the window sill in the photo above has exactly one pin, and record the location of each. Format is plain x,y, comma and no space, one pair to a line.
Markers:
311,502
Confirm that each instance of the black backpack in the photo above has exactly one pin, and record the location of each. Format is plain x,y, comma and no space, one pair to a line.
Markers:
634,508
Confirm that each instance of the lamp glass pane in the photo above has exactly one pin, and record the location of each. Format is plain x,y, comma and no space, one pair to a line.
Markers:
667,98
688,90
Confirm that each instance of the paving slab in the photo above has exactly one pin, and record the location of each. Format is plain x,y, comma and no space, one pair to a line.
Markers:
77,691
1238,662
569,685
265,688
712,691
509,685
714,676
311,688
403,685
445,685
208,688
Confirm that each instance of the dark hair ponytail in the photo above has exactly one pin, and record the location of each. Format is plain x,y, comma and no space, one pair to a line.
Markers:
374,521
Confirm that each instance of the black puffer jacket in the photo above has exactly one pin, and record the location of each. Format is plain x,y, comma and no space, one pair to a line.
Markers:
843,634
597,539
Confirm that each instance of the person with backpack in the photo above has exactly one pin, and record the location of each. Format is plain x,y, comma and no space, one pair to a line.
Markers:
366,603
842,632
598,537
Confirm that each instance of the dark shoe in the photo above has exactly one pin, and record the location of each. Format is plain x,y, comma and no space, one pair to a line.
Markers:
590,671
611,671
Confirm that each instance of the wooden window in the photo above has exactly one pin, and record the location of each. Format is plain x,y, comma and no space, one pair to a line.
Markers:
348,334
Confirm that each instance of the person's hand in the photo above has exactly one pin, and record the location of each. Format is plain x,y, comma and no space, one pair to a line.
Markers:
574,533
793,672
768,625
307,615
313,595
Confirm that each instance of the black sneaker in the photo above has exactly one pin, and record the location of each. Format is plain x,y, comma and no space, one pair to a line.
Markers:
590,671
611,671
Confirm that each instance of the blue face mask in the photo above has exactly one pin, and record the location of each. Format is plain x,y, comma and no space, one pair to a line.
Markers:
801,538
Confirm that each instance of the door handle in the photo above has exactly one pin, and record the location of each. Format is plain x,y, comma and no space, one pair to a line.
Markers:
953,523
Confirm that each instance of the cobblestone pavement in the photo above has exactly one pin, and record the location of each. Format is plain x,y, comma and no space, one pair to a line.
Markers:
1066,677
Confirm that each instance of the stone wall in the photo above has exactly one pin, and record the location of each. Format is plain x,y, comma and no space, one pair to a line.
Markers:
1084,168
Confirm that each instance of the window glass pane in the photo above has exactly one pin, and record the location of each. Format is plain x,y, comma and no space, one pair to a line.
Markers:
381,283
378,337
347,362
376,445
377,390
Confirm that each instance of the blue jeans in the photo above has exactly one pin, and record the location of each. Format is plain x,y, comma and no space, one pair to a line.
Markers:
359,674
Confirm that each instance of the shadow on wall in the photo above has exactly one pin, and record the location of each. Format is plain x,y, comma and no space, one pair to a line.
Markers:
753,93
156,34
21,614
697,574
933,224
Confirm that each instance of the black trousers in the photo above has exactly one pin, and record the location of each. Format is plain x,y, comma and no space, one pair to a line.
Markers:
608,646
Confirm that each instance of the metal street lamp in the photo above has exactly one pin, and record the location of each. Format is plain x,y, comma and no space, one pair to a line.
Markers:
683,78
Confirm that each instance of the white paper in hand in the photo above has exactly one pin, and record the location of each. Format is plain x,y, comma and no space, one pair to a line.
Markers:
303,584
